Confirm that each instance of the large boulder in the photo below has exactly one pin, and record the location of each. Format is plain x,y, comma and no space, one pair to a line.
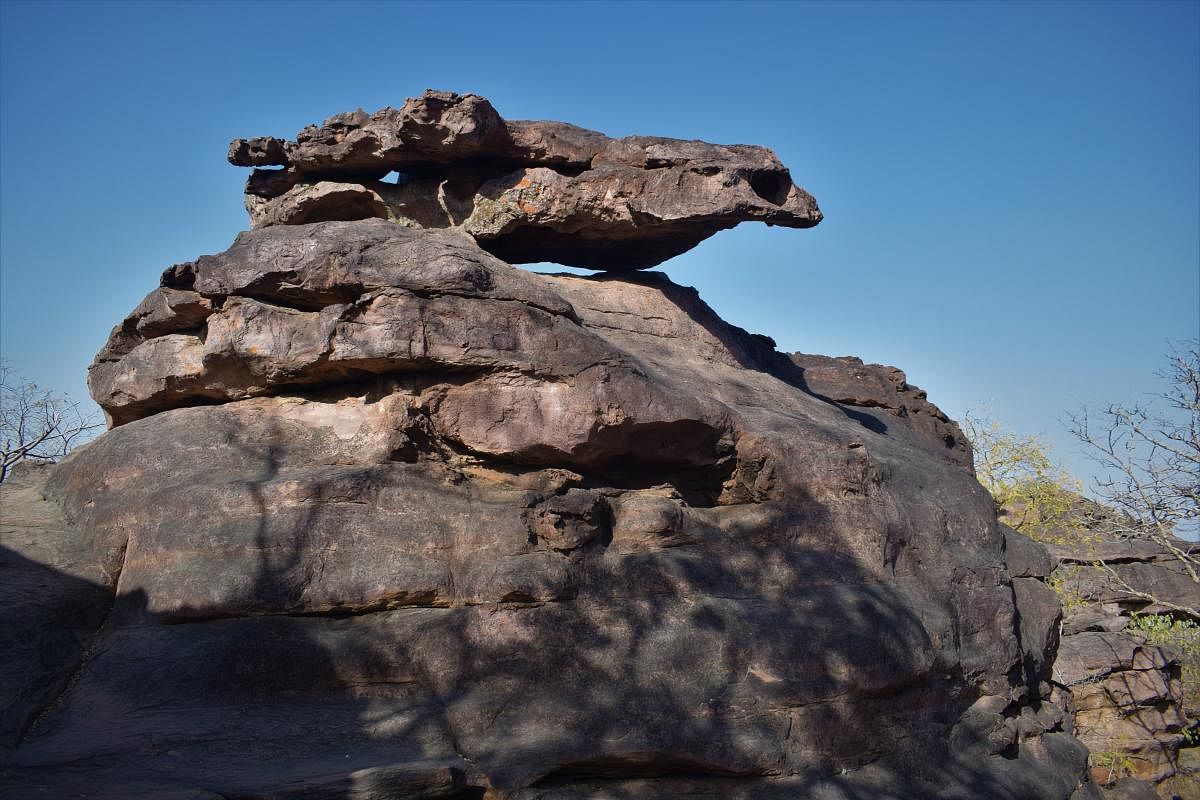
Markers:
526,191
382,516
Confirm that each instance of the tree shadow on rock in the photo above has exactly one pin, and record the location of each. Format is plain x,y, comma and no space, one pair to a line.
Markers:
735,663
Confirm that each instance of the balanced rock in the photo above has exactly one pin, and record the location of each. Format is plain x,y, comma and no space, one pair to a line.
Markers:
383,516
526,191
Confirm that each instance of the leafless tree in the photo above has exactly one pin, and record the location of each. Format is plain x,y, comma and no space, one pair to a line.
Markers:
1151,456
36,424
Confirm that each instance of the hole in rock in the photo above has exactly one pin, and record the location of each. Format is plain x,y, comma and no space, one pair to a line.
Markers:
394,177
771,187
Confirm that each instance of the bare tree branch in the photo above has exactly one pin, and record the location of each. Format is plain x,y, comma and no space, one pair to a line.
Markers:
1152,455
37,425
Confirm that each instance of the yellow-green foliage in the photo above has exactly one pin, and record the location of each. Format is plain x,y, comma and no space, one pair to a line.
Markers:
1183,635
1118,765
1059,580
1037,496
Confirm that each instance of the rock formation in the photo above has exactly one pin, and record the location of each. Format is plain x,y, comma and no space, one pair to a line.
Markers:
526,191
383,516
1128,700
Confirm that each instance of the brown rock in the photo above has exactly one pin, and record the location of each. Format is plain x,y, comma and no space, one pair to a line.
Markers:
1127,699
850,382
319,202
561,526
385,517
262,151
1039,613
1024,557
527,191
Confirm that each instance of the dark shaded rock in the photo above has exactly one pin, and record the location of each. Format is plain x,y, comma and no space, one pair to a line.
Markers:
55,590
1039,613
1024,557
1130,789
527,191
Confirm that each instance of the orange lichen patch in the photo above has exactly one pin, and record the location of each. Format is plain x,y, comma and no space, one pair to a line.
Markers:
521,184
526,207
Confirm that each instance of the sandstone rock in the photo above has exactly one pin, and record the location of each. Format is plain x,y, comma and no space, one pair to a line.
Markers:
1131,789
1024,557
1128,582
381,516
553,524
261,151
527,191
849,381
1084,656
1039,616
437,127
1127,698
55,590
319,202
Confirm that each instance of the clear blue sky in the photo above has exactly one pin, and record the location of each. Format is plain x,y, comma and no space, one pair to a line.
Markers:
1011,190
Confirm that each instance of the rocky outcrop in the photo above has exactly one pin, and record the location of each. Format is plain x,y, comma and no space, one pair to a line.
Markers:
382,516
526,191
1136,575
1129,702
849,382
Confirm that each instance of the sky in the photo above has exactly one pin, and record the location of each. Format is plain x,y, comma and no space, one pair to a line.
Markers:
1011,190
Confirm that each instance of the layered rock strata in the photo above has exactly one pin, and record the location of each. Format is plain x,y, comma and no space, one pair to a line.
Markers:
526,191
1130,705
382,516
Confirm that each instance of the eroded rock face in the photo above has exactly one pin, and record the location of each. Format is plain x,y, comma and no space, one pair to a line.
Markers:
1130,705
1127,699
520,532
526,191
850,382
382,516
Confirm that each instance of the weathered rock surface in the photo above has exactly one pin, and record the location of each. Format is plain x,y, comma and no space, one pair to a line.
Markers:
57,584
486,528
382,516
1127,703
1131,707
526,191
1135,568
850,382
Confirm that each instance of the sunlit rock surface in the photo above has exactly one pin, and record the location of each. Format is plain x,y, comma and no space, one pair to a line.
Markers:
382,516
526,191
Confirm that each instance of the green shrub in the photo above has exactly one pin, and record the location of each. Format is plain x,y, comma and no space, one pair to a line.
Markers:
1182,634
